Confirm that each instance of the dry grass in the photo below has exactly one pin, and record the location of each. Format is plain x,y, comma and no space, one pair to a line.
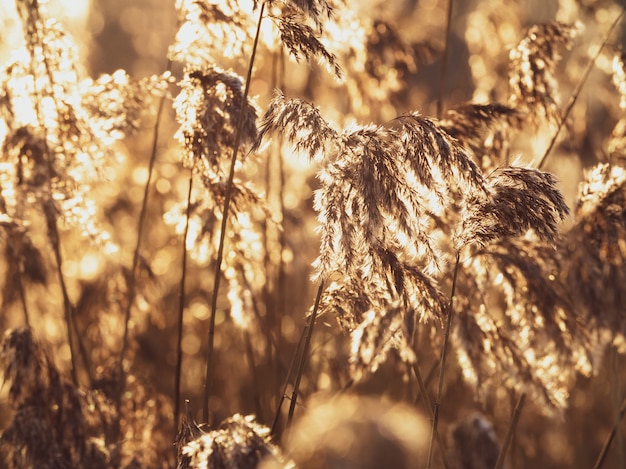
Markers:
299,154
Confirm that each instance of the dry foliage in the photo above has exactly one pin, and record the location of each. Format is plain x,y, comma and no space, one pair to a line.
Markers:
294,150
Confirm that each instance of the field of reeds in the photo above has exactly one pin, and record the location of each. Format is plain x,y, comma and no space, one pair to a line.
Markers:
312,234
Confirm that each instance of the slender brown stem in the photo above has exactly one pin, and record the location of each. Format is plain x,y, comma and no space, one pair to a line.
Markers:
303,357
429,377
256,382
181,306
578,89
132,283
274,237
609,438
442,366
15,254
208,381
53,236
444,61
616,393
49,208
424,392
283,394
511,430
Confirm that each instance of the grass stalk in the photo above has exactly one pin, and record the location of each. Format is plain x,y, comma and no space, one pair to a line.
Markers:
53,236
578,89
609,438
181,307
303,356
283,394
424,392
208,380
256,382
517,411
49,208
132,282
20,287
616,393
274,303
442,366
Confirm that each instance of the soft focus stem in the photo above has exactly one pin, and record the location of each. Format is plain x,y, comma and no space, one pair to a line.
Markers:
208,381
442,367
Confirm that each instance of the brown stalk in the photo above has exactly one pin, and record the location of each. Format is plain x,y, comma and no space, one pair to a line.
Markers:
609,438
132,282
283,394
442,366
303,357
49,207
511,430
208,381
256,382
13,256
181,307
424,393
274,292
578,89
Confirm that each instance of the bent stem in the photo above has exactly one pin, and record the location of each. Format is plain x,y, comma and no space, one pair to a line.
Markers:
578,89
303,356
511,430
220,251
442,366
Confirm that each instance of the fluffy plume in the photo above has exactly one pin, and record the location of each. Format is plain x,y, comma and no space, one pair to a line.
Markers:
518,325
520,199
301,41
205,25
300,122
238,442
207,109
595,248
55,424
482,129
533,68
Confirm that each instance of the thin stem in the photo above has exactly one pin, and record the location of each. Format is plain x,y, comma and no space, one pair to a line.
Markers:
20,285
181,306
444,356
429,377
303,357
283,394
132,282
274,236
424,393
53,236
511,430
140,226
220,251
444,61
256,382
609,438
616,392
578,89
49,207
